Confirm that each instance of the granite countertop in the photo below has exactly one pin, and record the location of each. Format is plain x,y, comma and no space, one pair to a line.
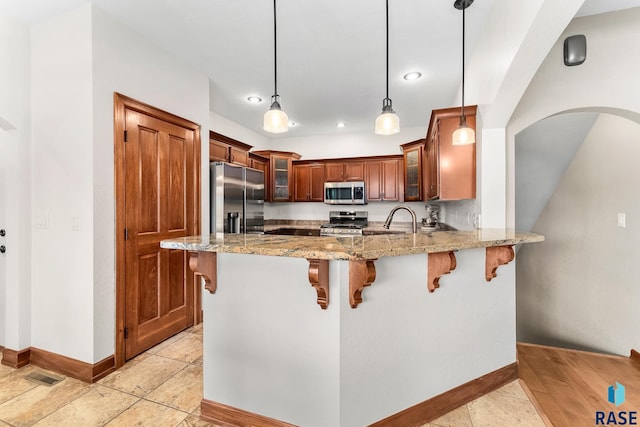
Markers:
351,248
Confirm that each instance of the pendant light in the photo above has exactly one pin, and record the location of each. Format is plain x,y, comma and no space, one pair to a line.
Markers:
464,134
388,122
275,120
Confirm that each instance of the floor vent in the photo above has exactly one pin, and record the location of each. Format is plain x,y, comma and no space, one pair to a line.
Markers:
44,379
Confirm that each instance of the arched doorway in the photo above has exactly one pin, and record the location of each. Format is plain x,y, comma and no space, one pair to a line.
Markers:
576,176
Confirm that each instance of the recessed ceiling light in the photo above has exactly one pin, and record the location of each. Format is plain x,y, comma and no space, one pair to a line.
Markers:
414,75
340,124
254,99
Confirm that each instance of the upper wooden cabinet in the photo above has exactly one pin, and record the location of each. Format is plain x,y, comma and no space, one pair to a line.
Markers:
308,179
383,179
449,171
338,171
279,183
225,149
413,153
259,162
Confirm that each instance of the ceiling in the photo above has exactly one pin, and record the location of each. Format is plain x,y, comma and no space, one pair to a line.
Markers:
331,53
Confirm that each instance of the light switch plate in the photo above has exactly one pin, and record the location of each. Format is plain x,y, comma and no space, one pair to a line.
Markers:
622,220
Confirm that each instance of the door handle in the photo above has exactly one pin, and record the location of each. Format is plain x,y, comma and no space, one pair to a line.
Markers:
3,249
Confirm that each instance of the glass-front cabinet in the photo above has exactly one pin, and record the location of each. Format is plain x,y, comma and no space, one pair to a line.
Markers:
279,184
413,153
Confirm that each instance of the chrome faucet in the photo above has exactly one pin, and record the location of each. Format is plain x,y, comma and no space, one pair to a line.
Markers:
414,222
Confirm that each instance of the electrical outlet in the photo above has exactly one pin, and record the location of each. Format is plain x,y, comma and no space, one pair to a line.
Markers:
75,222
622,220
42,221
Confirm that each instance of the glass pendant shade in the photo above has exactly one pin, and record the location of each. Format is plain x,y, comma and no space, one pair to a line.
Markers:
388,122
464,135
276,120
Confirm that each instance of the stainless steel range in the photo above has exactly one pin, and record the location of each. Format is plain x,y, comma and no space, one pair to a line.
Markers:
345,223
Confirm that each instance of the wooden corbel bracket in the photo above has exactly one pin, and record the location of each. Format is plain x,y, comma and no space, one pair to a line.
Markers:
439,263
205,264
495,257
319,279
362,273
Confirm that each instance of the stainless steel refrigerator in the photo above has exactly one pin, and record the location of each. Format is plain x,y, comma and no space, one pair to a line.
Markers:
237,199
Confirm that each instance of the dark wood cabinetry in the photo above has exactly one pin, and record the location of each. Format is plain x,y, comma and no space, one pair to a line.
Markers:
225,149
344,171
383,179
308,179
413,153
279,180
449,171
259,162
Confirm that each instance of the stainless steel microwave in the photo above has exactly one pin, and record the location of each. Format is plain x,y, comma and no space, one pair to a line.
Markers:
345,193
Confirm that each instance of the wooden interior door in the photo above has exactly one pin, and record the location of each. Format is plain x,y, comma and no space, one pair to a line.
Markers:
161,165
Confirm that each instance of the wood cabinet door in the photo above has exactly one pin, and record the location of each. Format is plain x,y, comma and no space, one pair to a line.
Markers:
308,183
238,157
431,184
354,171
334,172
458,179
413,174
281,178
218,151
316,190
301,183
390,182
382,180
373,180
160,187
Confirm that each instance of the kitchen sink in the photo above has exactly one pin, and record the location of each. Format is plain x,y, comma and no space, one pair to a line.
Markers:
367,232
295,232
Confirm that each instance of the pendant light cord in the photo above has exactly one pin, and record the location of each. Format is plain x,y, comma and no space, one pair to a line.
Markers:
275,52
387,49
463,119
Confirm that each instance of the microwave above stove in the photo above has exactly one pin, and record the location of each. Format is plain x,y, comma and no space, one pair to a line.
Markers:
345,193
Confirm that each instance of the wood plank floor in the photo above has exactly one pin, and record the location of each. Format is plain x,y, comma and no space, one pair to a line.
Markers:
569,386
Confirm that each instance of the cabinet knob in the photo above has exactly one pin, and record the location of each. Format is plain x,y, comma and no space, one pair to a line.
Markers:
3,232
3,249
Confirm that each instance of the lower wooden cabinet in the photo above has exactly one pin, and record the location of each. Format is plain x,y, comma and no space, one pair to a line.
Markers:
383,179
308,182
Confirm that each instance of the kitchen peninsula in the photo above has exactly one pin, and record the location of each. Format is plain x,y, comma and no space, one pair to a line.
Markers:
379,344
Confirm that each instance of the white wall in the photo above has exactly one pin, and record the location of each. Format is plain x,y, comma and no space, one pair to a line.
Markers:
271,350
15,304
79,59
62,157
602,83
125,62
234,130
352,144
579,287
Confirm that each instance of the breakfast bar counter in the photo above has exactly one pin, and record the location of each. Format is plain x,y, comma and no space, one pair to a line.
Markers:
279,352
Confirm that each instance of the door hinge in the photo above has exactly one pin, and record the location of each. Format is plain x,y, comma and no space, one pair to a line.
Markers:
126,333
126,234
125,136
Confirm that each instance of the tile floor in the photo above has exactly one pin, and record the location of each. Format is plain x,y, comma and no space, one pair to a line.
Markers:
162,387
